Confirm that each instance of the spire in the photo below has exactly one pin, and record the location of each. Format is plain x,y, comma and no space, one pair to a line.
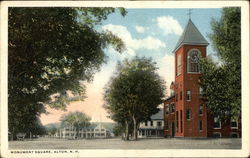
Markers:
189,13
191,36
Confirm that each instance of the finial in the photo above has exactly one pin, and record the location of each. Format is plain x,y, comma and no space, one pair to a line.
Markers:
189,13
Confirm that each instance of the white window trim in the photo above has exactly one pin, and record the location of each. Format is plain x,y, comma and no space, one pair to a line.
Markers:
171,107
234,127
202,110
180,65
167,107
190,115
218,127
199,52
190,95
201,91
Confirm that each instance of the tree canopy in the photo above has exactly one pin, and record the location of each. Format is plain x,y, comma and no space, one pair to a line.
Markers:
134,92
75,120
50,52
222,82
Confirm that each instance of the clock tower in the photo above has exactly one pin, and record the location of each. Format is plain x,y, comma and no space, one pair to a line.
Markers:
190,113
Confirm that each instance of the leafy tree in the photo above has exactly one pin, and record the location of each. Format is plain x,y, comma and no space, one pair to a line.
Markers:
37,128
134,92
52,128
222,82
50,52
118,129
75,119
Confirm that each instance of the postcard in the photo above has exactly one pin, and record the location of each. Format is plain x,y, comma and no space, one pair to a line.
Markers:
124,79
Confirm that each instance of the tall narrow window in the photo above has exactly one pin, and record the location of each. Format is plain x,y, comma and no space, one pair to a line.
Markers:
188,95
146,123
193,61
181,95
167,108
188,114
234,124
179,65
201,91
217,123
172,107
200,109
176,96
166,125
200,125
151,123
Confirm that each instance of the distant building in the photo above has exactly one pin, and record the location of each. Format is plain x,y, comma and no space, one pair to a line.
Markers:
94,131
152,128
185,111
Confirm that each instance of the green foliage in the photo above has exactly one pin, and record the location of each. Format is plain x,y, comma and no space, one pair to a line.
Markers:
118,129
222,82
134,92
52,128
226,36
50,51
75,119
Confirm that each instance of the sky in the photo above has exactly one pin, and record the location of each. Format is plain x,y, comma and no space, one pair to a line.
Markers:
146,32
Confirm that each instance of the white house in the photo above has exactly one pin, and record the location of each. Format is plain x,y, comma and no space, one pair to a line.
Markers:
152,128
94,131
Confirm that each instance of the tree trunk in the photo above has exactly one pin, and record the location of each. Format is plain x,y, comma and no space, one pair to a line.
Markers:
138,125
126,131
135,128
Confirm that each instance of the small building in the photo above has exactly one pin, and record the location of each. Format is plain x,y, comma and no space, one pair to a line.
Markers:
153,127
93,131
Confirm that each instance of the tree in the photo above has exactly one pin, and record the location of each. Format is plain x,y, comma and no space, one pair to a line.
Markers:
51,129
118,129
133,93
222,82
50,52
75,119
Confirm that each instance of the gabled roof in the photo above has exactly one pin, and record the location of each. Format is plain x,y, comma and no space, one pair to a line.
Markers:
191,35
158,115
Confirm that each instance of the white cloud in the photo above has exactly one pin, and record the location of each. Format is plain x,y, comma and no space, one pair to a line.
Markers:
140,29
169,25
147,43
134,44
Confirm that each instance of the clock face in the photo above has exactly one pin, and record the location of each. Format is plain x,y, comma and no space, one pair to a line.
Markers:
194,56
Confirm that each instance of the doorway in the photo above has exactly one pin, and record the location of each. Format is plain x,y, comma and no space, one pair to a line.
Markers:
173,131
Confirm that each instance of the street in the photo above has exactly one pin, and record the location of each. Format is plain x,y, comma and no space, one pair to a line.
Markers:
117,143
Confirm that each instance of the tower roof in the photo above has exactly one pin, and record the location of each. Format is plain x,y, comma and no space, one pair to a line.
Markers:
191,35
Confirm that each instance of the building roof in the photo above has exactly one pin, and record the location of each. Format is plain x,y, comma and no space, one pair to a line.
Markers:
191,35
169,97
158,116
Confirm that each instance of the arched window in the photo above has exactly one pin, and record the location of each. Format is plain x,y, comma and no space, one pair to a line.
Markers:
193,60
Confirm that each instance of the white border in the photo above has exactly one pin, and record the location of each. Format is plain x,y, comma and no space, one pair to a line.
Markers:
244,152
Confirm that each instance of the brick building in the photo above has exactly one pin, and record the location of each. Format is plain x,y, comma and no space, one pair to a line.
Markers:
185,112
